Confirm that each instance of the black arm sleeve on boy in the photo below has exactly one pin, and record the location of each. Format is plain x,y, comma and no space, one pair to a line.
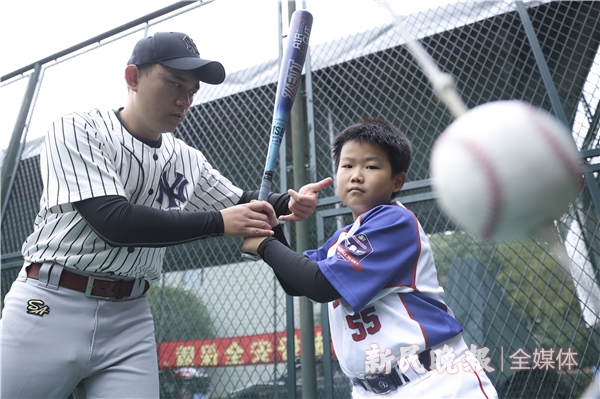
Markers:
122,224
280,236
301,275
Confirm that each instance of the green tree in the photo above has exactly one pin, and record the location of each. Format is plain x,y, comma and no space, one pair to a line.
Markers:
541,294
179,314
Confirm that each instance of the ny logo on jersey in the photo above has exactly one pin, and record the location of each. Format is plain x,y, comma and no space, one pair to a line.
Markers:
191,46
174,192
37,307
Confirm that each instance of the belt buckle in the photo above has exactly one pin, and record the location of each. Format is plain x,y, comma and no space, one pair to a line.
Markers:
378,384
90,286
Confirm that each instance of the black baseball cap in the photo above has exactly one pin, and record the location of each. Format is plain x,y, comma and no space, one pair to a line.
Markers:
178,51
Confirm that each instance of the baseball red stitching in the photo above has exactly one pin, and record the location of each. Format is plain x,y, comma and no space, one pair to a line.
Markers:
494,188
566,160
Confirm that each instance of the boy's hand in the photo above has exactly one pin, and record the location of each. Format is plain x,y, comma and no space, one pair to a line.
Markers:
303,202
250,244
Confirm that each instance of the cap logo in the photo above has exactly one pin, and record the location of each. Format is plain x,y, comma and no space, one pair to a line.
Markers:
190,45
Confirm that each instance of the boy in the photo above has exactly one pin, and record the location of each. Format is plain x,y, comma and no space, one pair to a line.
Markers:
391,330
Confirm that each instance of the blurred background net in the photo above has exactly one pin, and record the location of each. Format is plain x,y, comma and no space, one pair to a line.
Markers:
223,324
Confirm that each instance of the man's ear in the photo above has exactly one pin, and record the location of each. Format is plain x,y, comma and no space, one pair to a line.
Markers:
399,181
132,74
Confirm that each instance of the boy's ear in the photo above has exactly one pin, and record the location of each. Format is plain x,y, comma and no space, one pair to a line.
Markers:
399,181
132,76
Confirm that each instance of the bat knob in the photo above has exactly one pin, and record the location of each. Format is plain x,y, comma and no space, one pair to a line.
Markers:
250,257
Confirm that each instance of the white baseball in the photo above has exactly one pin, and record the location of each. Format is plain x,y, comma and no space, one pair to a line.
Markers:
504,169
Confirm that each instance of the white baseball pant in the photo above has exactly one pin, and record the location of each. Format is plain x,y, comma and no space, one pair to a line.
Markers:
56,340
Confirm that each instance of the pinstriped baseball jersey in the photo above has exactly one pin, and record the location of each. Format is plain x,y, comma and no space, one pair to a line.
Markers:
90,154
383,267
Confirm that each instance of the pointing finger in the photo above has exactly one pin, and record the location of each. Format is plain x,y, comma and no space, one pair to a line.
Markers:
315,187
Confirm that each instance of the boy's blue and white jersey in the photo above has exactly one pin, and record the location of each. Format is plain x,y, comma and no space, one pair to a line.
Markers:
383,267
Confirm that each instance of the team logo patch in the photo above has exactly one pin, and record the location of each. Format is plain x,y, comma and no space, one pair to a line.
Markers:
175,192
354,250
37,307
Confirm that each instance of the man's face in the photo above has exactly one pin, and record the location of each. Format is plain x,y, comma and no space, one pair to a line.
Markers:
165,95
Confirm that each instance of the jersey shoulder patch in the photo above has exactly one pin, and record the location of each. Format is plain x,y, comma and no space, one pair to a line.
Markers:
354,249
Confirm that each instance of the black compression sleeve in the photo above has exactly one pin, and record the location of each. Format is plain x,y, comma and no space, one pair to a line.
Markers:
300,273
122,224
278,201
280,236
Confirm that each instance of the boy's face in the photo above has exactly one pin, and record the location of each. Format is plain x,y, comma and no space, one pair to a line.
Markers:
364,177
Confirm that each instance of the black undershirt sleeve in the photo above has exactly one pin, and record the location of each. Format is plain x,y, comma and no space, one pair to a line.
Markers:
122,224
297,274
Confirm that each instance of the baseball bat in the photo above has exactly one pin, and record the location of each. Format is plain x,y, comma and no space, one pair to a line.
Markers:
290,74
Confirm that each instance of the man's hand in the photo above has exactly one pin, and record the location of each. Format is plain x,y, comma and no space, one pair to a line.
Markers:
303,203
249,220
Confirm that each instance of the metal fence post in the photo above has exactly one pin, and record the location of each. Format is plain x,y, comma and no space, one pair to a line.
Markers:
17,142
299,147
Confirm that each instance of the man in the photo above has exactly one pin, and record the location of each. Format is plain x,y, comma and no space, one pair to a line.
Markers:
118,189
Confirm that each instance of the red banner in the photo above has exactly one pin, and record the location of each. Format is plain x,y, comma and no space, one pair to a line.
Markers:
236,351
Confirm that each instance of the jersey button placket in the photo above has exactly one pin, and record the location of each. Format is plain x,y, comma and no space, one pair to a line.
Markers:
155,157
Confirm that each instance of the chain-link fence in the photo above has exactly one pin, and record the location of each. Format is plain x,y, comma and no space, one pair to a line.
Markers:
223,324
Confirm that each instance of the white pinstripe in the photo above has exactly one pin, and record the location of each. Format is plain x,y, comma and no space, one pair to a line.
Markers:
90,154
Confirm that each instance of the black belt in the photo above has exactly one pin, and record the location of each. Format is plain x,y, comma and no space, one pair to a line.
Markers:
91,286
383,383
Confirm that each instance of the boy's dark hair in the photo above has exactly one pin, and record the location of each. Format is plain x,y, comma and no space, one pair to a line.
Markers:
381,133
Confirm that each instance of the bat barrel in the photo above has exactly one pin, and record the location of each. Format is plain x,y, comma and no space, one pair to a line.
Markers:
290,75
